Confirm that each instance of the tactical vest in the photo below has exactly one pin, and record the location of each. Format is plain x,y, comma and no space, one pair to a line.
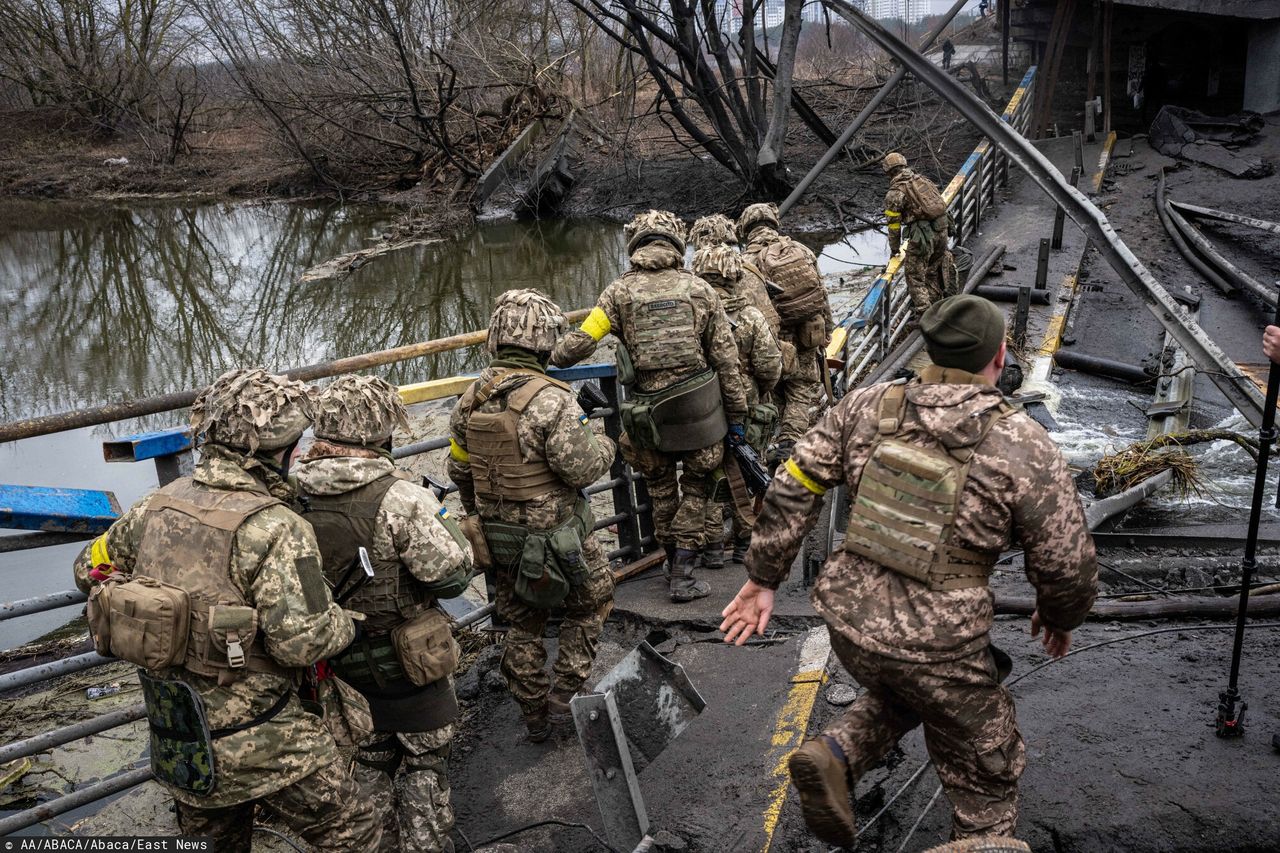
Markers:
663,333
188,537
345,523
498,468
904,513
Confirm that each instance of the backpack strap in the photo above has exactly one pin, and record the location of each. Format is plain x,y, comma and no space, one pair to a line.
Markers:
893,405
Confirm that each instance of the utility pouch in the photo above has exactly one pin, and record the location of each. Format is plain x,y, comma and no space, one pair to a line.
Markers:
811,333
232,630
346,713
181,743
539,580
762,419
425,647
718,490
371,664
638,423
566,546
688,415
626,369
473,530
141,620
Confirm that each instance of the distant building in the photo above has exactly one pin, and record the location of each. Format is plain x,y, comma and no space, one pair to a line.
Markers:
911,11
1217,56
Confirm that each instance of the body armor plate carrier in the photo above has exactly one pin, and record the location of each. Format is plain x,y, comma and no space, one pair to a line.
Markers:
498,468
904,513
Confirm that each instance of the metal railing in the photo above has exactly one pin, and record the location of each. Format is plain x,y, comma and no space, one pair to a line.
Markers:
878,323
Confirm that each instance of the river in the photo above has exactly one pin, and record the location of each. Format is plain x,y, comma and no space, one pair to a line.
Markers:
108,302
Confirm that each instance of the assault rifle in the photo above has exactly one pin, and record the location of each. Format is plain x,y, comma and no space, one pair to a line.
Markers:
753,471
591,398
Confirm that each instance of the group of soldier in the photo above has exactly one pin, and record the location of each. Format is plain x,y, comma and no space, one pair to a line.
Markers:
283,608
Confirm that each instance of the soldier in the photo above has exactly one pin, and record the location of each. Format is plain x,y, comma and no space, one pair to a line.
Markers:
676,353
222,553
945,476
354,498
761,362
521,451
719,230
805,314
914,208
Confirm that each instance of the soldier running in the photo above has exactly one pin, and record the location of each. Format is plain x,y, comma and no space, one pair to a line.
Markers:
402,661
521,451
761,363
804,311
915,211
944,477
213,585
677,354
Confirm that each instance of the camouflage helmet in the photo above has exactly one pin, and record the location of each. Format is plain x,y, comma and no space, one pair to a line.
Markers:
526,319
893,160
760,213
722,261
250,409
713,230
359,410
654,223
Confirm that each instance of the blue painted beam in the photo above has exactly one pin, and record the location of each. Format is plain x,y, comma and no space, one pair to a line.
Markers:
57,510
582,371
147,445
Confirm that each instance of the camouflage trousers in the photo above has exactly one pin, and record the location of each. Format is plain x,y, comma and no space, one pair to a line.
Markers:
930,276
524,653
714,527
679,501
405,775
969,729
325,809
799,392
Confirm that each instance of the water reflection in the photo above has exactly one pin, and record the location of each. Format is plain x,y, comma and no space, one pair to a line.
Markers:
108,303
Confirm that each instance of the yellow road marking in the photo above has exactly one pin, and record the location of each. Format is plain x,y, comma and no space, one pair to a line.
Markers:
793,722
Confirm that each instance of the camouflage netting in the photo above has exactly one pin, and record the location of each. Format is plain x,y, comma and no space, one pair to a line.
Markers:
359,410
760,213
713,230
654,223
525,318
250,409
723,261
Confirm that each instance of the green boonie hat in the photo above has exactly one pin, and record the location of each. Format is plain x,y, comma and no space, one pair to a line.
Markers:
359,410
962,332
250,409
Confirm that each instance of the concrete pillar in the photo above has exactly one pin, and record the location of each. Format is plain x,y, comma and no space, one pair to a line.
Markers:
1262,68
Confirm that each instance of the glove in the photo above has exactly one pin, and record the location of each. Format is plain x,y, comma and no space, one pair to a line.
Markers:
737,433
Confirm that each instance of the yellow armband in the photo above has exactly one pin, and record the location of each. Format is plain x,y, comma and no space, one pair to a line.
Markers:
597,324
804,479
459,453
894,218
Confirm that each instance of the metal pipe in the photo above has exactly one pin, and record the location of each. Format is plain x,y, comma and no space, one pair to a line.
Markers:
82,797
477,615
66,666
41,603
1180,243
874,104
1210,213
1218,261
1107,508
1105,367
1195,608
1004,293
26,541
1208,356
419,447
75,731
63,421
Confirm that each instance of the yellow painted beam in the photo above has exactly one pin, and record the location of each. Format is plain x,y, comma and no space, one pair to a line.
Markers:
434,389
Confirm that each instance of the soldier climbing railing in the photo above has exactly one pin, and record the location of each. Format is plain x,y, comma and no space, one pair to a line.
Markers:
866,335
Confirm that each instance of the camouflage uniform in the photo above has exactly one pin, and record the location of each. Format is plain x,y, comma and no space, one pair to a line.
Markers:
404,771
928,265
656,245
719,230
761,362
923,656
801,383
288,762
552,430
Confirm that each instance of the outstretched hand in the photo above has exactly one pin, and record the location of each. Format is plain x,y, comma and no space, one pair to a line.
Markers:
1056,643
747,614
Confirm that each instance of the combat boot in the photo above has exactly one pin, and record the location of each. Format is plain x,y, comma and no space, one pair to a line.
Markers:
683,585
670,562
821,777
712,555
740,547
538,725
558,711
